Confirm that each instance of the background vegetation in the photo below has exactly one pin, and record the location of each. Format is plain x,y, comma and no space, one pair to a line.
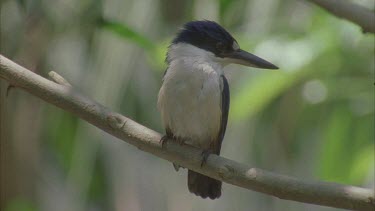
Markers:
313,119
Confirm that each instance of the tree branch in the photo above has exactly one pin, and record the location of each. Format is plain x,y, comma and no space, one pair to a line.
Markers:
284,187
58,79
357,14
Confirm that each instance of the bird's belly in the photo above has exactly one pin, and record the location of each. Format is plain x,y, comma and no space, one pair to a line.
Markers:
191,109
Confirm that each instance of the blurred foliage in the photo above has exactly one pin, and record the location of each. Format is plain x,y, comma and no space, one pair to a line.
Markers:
313,118
127,33
19,204
61,136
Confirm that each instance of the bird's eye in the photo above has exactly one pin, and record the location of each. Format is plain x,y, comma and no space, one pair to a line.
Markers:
220,46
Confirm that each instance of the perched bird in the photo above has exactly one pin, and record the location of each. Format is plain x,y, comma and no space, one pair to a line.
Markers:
194,97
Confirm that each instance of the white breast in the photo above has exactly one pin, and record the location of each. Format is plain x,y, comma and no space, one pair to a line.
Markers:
190,100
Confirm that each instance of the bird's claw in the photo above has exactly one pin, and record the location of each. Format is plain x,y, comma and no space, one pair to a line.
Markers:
163,140
181,141
205,154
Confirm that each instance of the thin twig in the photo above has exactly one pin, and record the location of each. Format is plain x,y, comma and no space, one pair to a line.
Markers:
232,172
58,79
355,13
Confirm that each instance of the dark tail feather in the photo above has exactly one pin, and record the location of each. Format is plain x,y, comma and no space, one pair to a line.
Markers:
203,186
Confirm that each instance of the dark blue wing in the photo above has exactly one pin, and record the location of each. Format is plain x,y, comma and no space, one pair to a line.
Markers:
225,99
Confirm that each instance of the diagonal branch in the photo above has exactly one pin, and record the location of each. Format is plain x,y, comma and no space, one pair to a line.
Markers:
357,14
58,79
284,187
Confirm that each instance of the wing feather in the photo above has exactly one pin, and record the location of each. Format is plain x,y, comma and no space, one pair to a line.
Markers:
225,100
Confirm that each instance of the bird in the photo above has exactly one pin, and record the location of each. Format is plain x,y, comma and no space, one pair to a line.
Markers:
194,96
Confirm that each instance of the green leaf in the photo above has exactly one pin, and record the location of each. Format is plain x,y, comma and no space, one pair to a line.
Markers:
363,164
126,32
157,56
60,132
257,94
347,150
20,204
334,149
224,6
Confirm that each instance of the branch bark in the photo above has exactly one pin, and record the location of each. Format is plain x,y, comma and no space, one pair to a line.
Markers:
284,187
357,14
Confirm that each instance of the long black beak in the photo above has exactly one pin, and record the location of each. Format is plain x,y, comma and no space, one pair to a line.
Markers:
248,59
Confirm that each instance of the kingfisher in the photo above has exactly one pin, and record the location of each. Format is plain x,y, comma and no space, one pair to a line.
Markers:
194,97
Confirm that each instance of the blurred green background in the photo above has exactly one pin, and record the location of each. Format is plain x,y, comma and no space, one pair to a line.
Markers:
312,119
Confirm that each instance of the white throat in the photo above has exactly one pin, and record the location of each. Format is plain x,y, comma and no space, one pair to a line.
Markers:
195,55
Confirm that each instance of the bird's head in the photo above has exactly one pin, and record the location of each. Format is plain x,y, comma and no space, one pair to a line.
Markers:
215,42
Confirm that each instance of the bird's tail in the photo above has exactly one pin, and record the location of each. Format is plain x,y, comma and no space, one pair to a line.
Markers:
203,186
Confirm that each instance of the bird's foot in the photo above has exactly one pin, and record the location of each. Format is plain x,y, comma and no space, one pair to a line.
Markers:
205,153
181,141
163,140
